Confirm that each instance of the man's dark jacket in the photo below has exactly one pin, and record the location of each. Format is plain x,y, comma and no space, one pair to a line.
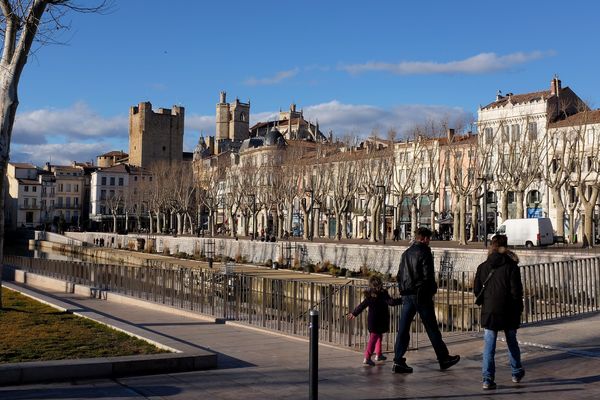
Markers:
416,275
503,296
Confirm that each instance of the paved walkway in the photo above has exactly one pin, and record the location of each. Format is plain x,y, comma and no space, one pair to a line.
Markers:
561,359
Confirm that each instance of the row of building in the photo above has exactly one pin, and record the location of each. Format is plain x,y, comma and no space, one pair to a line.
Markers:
532,155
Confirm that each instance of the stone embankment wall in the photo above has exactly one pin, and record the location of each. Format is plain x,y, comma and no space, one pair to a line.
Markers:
380,258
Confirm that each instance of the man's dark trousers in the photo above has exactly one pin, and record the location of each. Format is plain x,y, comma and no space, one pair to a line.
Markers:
410,306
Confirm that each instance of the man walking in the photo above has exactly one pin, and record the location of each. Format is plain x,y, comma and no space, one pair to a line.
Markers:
416,281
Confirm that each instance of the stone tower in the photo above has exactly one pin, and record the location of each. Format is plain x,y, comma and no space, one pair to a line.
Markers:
155,136
232,121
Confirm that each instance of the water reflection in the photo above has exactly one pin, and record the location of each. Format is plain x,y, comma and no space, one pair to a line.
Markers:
48,254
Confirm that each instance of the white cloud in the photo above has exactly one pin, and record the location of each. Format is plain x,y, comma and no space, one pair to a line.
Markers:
278,78
75,122
361,120
59,153
478,64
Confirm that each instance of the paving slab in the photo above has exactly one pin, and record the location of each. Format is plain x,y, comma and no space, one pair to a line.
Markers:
257,365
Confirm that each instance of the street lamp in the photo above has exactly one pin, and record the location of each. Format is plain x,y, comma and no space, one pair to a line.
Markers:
316,221
253,197
310,232
381,190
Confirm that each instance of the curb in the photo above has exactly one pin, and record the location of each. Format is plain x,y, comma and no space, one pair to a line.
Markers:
62,370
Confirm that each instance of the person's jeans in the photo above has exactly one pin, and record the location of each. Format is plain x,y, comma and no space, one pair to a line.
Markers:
374,345
488,369
410,306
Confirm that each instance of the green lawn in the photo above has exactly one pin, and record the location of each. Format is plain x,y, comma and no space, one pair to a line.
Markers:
32,331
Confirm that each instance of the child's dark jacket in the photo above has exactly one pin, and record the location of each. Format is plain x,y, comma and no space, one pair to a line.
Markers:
379,314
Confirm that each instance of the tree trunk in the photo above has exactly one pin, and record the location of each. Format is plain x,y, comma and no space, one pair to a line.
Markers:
572,231
504,206
560,212
414,223
520,194
306,225
474,218
588,227
431,217
338,226
456,222
462,237
179,224
126,221
114,223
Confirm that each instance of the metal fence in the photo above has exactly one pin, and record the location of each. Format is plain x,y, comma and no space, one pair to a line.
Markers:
552,290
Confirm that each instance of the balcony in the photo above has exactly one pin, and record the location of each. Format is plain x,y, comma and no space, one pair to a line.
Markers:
30,207
67,207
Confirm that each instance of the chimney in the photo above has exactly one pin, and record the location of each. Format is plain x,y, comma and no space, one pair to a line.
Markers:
222,97
450,134
499,95
555,86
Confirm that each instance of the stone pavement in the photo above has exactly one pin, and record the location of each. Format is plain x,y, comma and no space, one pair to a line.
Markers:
562,360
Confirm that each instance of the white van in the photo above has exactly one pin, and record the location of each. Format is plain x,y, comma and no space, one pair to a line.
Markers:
527,231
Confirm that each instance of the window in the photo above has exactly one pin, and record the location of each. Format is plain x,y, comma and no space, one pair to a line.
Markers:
447,176
33,202
68,201
505,133
515,131
76,188
34,188
103,195
112,181
120,181
532,130
60,187
573,195
60,201
135,178
26,188
76,201
489,134
68,187
511,197
533,197
26,202
555,164
103,180
29,217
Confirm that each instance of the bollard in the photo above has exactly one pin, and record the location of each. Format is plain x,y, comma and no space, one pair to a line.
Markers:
313,358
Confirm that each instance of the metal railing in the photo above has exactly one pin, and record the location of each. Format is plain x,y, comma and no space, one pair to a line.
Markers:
551,290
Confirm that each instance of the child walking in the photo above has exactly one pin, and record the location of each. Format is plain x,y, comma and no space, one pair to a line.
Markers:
377,299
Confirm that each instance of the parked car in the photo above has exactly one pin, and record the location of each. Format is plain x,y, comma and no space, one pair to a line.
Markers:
527,232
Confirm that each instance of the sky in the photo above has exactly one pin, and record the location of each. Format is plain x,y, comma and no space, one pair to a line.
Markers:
356,67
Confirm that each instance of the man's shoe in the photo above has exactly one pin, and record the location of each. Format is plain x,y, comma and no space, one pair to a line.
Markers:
488,385
380,358
401,368
449,361
368,361
517,378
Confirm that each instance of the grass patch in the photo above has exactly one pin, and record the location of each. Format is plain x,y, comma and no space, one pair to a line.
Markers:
32,331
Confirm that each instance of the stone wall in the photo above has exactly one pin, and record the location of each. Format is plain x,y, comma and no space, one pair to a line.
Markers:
384,259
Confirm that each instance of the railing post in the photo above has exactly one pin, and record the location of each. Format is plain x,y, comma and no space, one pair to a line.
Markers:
313,359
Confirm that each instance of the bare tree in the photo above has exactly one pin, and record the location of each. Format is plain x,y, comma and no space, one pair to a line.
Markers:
582,150
22,23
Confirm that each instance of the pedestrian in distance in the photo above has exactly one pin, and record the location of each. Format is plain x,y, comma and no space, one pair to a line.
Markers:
416,281
499,292
377,300
396,234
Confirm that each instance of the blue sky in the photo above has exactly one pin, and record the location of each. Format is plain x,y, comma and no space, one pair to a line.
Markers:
355,66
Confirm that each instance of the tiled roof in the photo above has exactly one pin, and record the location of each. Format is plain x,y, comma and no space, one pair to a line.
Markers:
521,98
23,165
114,153
581,118
29,182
